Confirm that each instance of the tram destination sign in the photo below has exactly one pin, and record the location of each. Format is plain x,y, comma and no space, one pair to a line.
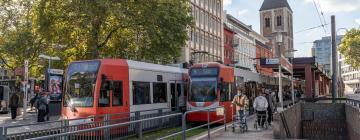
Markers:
204,72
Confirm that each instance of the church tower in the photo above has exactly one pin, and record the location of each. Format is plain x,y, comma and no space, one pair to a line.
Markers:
276,17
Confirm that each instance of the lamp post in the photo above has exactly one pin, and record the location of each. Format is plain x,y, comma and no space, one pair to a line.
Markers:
279,41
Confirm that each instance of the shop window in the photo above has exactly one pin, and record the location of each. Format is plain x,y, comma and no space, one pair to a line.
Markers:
159,92
141,93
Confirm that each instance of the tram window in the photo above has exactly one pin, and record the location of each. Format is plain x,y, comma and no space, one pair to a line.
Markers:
1,93
117,99
141,93
224,93
159,91
104,98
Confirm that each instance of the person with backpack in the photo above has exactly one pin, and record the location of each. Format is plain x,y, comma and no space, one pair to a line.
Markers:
41,105
14,104
241,103
260,105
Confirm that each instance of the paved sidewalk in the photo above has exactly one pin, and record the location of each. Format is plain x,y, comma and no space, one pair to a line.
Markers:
252,134
31,118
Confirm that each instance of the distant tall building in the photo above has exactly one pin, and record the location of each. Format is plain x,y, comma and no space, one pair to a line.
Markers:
276,17
205,43
322,52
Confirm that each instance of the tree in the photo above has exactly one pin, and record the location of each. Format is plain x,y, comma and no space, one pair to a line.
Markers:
18,42
147,30
350,47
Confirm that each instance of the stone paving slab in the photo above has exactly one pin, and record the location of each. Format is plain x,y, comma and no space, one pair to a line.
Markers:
251,134
31,118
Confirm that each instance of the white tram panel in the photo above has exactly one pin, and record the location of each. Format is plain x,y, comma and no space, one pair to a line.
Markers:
146,72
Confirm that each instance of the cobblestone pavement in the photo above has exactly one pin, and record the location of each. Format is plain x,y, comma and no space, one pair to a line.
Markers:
31,118
251,134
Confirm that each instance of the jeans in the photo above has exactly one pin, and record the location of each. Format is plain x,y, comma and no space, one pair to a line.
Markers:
242,118
41,115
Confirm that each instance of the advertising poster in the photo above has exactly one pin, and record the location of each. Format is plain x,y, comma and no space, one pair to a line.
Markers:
55,86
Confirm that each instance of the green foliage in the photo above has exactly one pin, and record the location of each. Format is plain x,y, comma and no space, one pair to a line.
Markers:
350,47
145,30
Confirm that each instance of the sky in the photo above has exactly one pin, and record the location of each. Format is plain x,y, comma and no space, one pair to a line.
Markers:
305,16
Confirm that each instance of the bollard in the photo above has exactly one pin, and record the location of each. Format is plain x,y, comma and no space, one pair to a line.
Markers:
2,134
184,126
208,124
65,128
160,113
138,125
106,130
224,118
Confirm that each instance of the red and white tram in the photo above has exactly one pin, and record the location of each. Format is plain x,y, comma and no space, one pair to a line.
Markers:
111,86
211,85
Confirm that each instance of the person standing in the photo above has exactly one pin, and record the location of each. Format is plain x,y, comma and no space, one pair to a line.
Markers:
270,107
260,105
47,106
14,104
41,106
241,103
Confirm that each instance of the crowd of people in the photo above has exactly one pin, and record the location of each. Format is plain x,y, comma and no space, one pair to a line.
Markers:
40,101
264,105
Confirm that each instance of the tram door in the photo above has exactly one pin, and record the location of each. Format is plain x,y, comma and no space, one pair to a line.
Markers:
176,98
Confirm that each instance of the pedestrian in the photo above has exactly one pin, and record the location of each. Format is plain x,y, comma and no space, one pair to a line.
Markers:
40,104
241,103
260,105
14,104
270,107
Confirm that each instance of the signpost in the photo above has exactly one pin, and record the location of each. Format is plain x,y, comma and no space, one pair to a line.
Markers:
26,78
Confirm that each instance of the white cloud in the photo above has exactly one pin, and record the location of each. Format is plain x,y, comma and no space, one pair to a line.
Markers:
242,12
357,21
334,6
227,2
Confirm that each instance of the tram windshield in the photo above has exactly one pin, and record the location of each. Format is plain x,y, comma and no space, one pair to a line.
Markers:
203,90
80,84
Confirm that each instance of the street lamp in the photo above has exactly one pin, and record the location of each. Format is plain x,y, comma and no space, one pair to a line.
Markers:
279,41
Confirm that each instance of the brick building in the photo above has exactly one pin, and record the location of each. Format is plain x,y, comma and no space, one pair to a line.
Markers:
228,46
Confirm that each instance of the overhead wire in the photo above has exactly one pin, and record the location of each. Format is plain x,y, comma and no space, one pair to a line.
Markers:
319,16
311,28
322,13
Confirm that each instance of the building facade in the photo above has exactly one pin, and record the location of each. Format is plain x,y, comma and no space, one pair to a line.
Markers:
349,75
205,38
322,52
244,44
276,17
228,46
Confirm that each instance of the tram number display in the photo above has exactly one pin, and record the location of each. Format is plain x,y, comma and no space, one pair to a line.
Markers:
204,72
220,111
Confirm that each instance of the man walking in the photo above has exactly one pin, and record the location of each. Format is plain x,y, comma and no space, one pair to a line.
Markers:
14,104
270,107
260,105
241,103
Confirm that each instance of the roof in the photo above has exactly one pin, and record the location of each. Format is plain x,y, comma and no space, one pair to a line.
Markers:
273,4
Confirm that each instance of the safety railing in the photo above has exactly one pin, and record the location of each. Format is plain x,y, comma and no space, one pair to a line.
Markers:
208,110
113,131
32,130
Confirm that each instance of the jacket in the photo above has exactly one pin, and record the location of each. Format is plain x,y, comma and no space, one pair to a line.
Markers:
14,101
260,103
240,101
41,103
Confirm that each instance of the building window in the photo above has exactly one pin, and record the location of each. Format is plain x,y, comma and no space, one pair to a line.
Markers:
159,91
267,22
278,20
117,97
141,93
104,98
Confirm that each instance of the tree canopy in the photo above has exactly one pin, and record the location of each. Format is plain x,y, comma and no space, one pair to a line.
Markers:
144,30
350,47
